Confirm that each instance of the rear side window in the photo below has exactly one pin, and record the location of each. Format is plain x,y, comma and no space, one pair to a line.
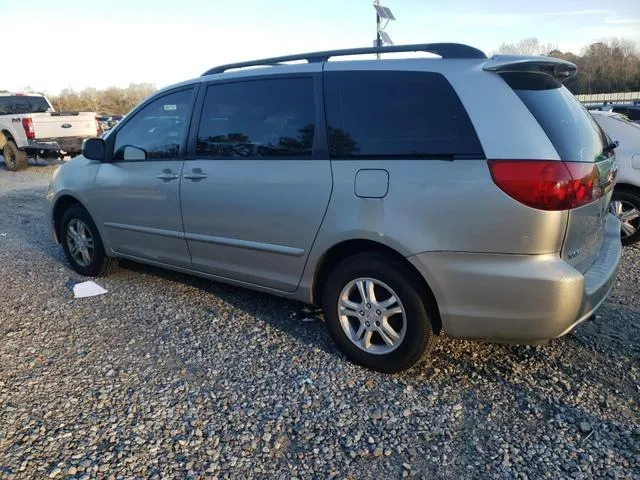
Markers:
258,118
633,114
22,104
395,114
620,110
573,132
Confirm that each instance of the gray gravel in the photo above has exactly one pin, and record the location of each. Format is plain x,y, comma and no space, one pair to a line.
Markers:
168,376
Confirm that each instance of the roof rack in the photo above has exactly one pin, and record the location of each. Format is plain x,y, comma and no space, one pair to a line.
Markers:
445,50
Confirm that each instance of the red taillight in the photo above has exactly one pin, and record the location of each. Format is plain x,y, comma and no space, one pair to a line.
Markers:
27,124
548,184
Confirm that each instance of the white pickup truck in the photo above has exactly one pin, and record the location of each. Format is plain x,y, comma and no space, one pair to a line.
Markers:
30,127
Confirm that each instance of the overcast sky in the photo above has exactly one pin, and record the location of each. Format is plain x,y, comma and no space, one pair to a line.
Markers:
54,44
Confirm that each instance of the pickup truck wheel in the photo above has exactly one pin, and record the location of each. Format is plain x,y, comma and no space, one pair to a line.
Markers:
82,243
14,158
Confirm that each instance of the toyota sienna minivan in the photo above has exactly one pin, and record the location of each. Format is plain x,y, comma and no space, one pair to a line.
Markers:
408,197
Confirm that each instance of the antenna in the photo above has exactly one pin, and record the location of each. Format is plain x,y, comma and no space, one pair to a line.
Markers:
382,37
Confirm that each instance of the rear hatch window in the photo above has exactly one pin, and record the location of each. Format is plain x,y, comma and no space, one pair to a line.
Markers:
22,104
577,138
574,134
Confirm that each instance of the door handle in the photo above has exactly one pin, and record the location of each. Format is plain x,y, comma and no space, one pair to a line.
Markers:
195,175
167,175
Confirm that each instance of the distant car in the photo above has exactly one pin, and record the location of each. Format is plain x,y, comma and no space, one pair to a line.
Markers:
30,127
630,110
606,106
387,191
626,195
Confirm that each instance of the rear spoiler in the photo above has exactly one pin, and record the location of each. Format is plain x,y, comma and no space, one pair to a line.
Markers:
558,69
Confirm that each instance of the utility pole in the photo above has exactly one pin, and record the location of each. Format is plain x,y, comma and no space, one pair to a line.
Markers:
378,39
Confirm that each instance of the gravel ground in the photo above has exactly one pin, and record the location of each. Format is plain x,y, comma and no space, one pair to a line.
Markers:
169,376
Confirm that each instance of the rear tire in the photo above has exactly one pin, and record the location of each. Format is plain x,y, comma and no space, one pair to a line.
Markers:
359,325
14,158
82,243
626,206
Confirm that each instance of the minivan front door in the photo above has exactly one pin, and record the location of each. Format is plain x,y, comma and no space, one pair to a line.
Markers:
137,193
254,196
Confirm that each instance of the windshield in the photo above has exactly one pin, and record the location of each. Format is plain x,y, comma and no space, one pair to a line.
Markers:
21,104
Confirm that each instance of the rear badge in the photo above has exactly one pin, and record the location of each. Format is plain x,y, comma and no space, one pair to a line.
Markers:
66,125
573,254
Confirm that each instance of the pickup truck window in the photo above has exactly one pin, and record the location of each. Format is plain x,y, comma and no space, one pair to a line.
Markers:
22,104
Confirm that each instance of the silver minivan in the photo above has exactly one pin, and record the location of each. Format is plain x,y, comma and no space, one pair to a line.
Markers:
408,197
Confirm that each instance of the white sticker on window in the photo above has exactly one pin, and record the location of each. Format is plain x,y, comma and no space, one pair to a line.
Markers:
170,107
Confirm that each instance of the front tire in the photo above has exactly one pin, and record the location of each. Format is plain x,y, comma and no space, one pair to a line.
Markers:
376,313
82,243
14,158
626,206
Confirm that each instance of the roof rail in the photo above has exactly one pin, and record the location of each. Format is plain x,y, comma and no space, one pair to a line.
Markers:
445,50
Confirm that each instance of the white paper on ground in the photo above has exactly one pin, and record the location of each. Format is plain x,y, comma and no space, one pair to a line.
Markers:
87,289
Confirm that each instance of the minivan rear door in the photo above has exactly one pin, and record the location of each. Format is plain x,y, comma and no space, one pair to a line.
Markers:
255,191
577,138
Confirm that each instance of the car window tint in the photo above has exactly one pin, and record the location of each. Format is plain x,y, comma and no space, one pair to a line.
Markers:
396,114
258,118
573,132
158,128
634,114
22,104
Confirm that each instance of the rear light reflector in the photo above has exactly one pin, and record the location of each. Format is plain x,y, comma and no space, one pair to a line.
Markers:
27,124
548,184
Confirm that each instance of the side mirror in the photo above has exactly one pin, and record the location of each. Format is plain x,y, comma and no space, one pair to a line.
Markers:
94,149
134,153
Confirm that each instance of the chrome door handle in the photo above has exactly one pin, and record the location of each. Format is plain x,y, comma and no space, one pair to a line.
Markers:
196,174
167,175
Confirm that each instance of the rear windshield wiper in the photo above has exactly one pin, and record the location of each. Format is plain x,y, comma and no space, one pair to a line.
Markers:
611,146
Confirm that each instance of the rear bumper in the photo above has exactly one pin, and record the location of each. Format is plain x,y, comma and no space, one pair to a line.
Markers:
518,298
66,144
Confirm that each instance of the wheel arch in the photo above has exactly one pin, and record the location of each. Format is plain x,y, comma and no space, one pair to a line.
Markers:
628,187
60,206
5,136
340,251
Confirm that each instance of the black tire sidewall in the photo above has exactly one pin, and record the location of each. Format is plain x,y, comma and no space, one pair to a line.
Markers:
20,160
634,199
419,333
97,265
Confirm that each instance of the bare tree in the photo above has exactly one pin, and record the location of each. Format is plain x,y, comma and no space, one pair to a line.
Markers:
606,66
526,46
112,101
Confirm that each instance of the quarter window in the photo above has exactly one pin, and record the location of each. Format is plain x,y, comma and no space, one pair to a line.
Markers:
394,114
159,128
258,118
